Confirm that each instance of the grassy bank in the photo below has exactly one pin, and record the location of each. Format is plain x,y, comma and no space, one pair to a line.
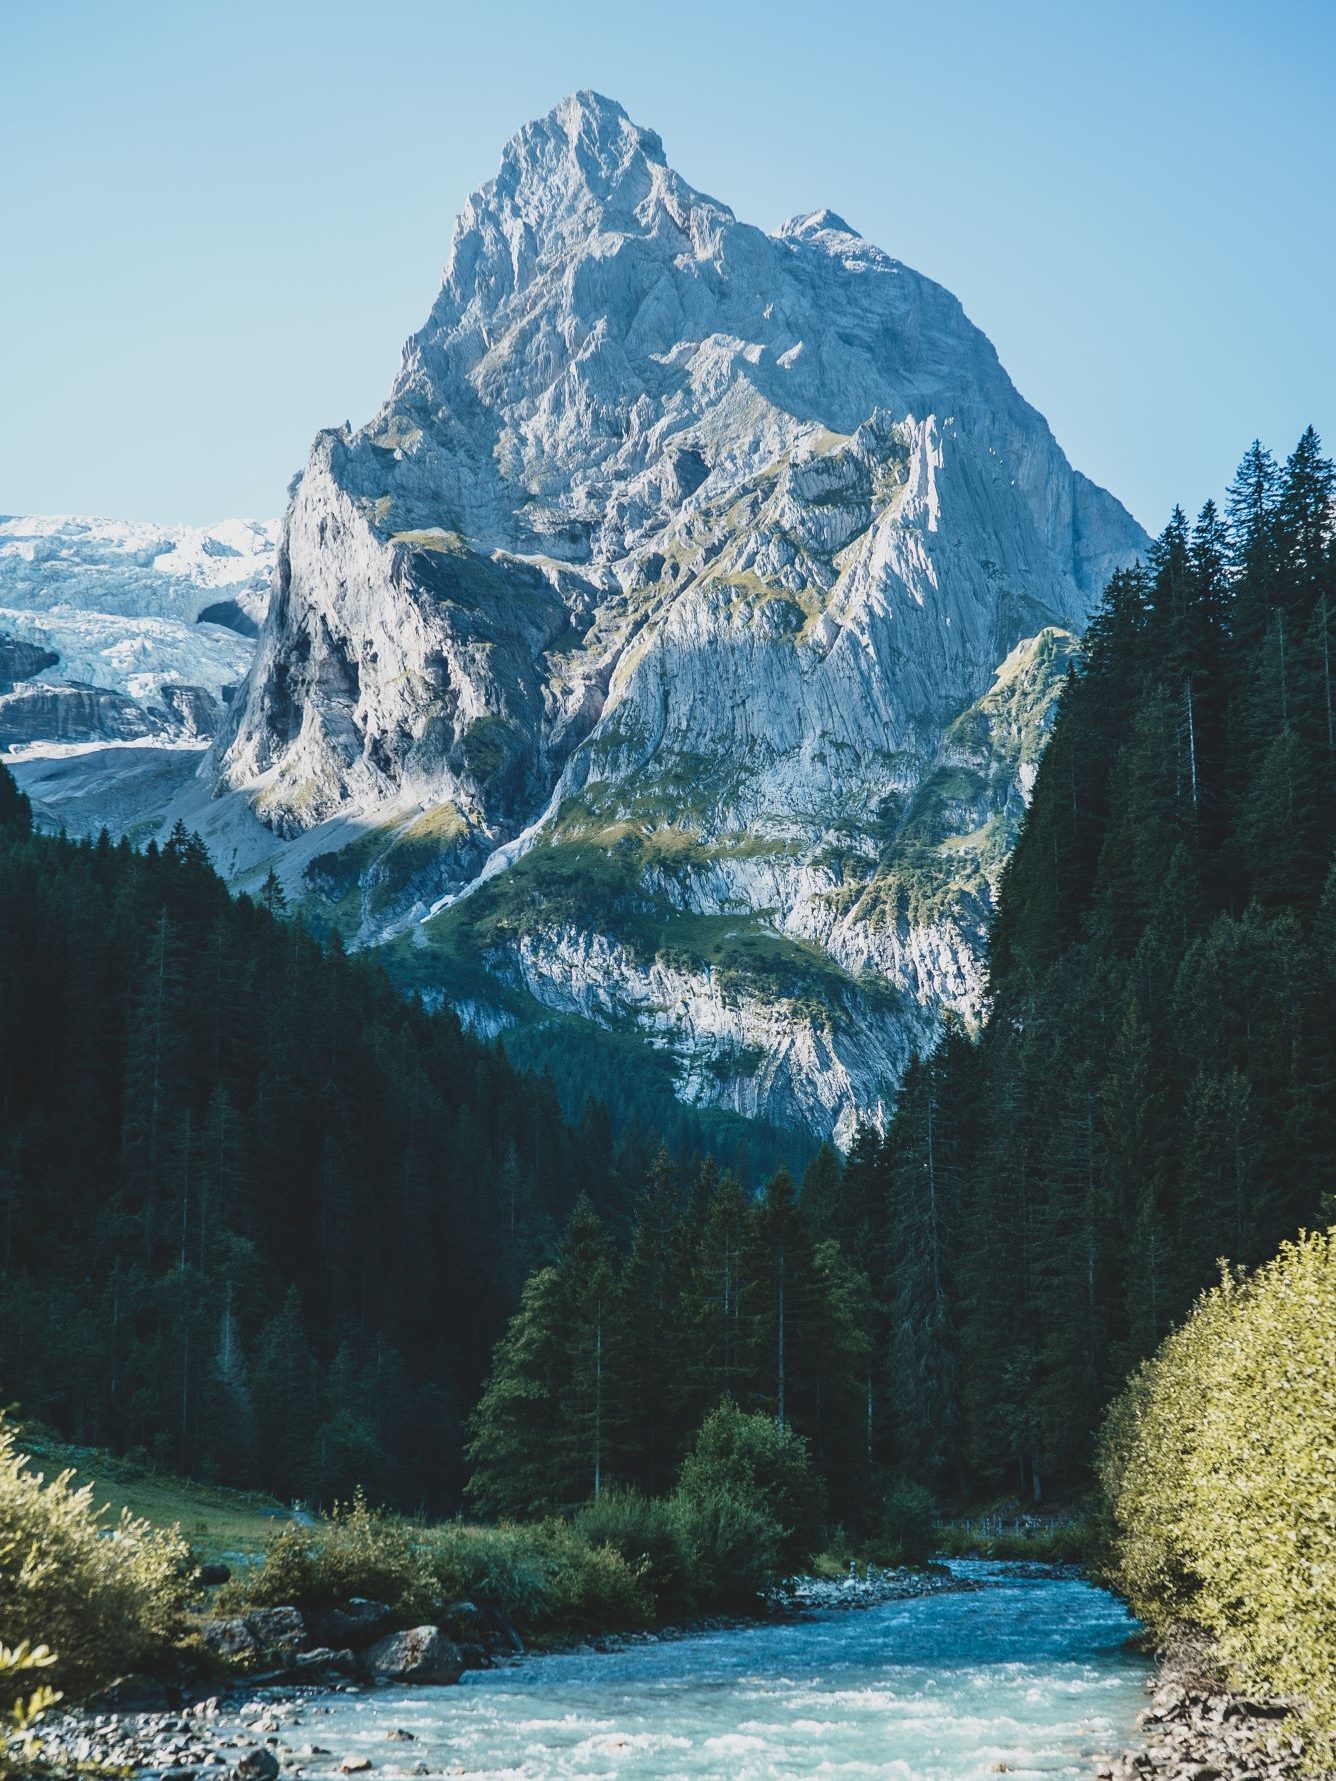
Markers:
220,1525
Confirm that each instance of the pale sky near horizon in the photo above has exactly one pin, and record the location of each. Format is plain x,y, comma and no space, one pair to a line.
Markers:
224,218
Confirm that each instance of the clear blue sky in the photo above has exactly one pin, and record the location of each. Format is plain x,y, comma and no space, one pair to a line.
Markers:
222,219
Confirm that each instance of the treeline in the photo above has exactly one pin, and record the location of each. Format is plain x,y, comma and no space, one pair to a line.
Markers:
617,1356
260,1216
1156,1084
956,1302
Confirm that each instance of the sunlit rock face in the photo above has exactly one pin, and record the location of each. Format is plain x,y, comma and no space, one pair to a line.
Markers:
677,641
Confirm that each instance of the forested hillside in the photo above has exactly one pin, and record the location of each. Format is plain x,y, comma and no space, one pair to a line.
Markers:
1155,1085
957,1302
258,1214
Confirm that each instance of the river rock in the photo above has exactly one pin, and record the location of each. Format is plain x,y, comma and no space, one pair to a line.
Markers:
354,1624
277,1629
421,1654
232,1639
323,1663
256,1765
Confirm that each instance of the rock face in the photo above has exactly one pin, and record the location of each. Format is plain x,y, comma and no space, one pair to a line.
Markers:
356,1623
21,661
265,1633
678,639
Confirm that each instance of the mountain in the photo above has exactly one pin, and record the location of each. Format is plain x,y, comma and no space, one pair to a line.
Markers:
673,650
120,645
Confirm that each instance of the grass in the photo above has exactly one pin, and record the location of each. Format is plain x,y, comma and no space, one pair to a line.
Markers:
218,1523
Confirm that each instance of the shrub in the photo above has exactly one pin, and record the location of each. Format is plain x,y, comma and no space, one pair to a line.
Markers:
1065,1543
648,1534
1218,1467
26,1704
733,1547
105,1599
760,1465
590,1588
544,1577
358,1551
503,1567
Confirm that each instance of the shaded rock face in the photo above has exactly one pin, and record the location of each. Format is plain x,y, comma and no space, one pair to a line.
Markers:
20,661
731,560
355,1624
265,1633
38,713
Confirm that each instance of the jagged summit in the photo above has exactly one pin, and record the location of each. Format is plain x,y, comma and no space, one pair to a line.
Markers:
734,557
812,223
592,132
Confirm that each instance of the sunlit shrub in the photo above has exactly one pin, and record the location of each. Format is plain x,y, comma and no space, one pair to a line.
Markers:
106,1598
1218,1466
358,1551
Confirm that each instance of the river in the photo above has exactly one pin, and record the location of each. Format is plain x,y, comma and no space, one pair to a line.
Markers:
1027,1673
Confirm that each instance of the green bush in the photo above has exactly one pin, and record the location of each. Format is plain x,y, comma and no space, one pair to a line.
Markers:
544,1577
1218,1468
760,1465
1068,1543
358,1551
26,1704
648,1533
733,1547
105,1599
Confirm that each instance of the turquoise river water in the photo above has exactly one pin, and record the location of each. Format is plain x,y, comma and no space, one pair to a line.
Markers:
1028,1672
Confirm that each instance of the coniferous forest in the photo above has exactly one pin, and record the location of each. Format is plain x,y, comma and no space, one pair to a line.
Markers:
270,1222
259,1216
957,1302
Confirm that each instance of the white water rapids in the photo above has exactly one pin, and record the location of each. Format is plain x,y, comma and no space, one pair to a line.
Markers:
1027,1674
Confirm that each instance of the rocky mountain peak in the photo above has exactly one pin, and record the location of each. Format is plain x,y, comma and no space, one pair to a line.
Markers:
723,573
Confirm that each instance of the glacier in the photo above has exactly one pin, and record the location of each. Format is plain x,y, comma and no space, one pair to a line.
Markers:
120,645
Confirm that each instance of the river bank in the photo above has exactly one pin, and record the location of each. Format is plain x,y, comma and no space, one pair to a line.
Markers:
252,1730
1197,1729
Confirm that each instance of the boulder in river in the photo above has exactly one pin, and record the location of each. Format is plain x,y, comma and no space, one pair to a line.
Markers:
263,1635
421,1654
322,1664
